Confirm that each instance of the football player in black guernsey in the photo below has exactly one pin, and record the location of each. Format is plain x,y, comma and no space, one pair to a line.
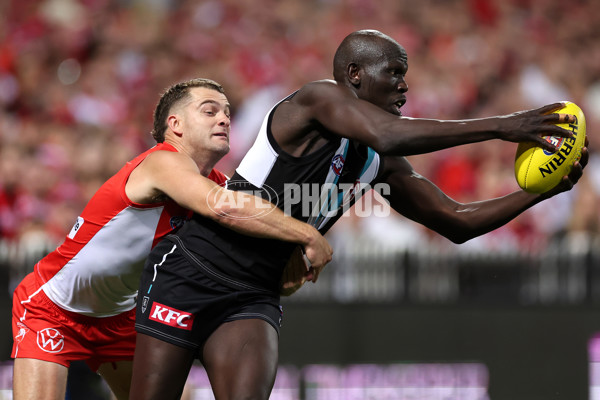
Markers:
343,136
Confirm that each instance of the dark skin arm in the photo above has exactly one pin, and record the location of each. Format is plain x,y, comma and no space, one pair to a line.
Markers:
420,200
298,124
302,125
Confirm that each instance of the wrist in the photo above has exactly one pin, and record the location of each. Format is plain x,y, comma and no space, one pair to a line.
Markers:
310,236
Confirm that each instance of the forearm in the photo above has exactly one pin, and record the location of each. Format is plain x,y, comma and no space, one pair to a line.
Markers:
254,216
393,135
419,136
478,218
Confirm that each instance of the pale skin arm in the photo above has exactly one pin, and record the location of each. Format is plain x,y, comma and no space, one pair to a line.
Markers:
176,176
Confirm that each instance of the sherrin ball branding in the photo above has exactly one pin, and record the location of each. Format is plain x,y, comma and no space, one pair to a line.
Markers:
538,170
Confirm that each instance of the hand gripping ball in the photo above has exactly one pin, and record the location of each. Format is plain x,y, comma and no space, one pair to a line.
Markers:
538,170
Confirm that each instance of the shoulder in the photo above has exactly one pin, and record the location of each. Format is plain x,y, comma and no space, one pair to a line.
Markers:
321,91
167,161
314,100
168,156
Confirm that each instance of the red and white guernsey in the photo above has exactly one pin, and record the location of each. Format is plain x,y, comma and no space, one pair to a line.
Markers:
96,270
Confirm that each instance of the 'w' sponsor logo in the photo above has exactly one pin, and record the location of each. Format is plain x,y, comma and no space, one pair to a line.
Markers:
50,340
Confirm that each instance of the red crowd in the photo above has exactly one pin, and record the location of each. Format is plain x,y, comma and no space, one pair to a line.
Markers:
79,80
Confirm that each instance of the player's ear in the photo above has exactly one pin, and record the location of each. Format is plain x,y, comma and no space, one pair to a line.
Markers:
175,124
354,74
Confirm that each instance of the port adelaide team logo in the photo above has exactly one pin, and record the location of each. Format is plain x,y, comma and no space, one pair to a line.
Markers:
220,200
337,164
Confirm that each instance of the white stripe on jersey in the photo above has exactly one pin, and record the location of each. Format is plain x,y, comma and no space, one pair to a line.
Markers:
260,154
259,161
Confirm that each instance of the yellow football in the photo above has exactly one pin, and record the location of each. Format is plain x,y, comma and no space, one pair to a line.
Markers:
538,170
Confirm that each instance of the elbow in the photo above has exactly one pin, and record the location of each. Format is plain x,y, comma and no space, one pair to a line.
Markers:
458,239
239,212
382,140
228,205
228,219
382,145
453,235
398,147
458,224
222,213
457,233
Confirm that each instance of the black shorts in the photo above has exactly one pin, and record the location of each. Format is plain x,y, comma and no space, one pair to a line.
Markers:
179,304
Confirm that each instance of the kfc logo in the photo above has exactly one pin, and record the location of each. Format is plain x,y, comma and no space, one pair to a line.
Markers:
50,340
172,317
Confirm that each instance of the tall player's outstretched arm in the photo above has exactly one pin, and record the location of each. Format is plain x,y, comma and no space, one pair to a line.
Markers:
417,198
325,104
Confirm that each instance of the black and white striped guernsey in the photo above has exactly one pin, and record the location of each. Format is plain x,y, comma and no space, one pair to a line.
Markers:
315,188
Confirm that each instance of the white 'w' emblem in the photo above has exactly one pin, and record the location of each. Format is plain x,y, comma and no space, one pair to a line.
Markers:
50,340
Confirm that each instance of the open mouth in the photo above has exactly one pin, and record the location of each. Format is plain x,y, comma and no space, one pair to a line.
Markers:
398,104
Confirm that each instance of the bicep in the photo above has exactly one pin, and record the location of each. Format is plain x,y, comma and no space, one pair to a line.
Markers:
338,111
178,178
354,119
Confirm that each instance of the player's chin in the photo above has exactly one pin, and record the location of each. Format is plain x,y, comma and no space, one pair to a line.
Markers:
222,148
396,109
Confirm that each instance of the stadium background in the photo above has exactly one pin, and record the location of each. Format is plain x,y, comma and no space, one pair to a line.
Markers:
516,309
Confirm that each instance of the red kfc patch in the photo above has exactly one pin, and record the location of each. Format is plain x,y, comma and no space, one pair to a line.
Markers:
172,317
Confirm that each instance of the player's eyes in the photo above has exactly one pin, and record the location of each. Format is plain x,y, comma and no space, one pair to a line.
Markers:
213,111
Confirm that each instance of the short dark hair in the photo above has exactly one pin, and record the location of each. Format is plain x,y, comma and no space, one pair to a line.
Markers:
174,95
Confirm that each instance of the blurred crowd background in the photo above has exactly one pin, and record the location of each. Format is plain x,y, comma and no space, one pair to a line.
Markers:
79,80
